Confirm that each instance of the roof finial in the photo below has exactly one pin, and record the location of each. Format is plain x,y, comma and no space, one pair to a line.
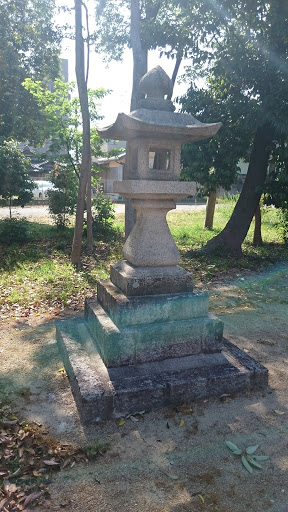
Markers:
155,85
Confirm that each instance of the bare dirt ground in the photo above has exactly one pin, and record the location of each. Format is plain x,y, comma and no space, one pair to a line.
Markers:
171,460
42,211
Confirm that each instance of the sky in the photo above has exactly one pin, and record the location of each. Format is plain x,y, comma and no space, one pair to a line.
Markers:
115,76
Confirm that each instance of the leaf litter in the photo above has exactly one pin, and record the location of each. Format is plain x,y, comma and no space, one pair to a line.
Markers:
28,459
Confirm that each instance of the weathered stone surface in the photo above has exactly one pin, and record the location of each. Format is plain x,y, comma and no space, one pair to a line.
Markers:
102,393
125,310
156,83
154,190
155,124
130,344
165,168
150,243
89,378
139,281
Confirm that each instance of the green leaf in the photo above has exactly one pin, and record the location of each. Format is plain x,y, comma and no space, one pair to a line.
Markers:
173,477
246,464
232,447
254,463
252,449
261,457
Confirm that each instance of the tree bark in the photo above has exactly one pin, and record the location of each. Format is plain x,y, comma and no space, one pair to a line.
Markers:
140,54
175,73
85,171
210,209
257,237
140,63
232,236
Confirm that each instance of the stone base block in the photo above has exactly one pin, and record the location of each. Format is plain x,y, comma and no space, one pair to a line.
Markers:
121,345
138,281
149,309
102,393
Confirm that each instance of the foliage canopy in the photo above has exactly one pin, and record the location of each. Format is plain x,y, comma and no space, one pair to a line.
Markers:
15,183
29,47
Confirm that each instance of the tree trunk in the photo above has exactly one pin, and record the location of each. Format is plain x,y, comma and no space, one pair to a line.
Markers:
210,209
140,54
89,214
232,236
175,73
257,237
85,171
140,63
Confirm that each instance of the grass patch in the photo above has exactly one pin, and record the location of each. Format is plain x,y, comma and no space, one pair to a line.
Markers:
38,277
187,230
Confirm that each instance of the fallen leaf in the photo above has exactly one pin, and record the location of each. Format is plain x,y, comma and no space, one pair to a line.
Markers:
51,463
279,412
224,396
132,418
3,470
37,473
121,422
181,423
9,488
32,497
201,498
2,503
173,477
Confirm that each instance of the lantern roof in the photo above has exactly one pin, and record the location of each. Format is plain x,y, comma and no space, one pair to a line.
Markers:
155,117
144,123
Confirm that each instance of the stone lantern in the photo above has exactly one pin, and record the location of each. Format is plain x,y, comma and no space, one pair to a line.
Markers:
148,339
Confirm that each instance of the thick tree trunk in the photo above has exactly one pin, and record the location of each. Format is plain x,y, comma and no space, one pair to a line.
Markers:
85,172
210,209
257,237
231,238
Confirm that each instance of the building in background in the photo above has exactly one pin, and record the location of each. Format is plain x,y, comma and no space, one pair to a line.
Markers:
110,168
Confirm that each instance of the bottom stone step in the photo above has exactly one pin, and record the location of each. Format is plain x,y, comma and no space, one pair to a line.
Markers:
102,393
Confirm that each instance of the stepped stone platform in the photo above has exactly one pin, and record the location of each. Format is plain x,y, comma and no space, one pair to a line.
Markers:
139,352
103,393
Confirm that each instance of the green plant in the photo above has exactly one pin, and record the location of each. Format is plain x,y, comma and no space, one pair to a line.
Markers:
62,198
283,224
247,456
102,219
14,231
96,449
15,183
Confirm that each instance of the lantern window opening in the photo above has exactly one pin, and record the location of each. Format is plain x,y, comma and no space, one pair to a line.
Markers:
159,159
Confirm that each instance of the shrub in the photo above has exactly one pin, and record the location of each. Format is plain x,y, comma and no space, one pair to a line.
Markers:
102,219
62,198
283,224
14,230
